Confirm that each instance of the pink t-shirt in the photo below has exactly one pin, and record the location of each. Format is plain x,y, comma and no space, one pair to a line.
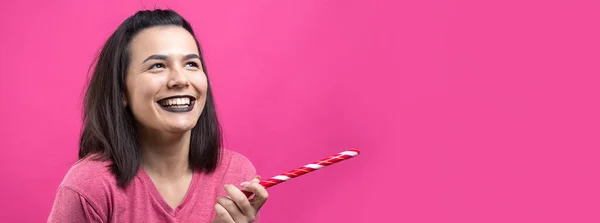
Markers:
89,193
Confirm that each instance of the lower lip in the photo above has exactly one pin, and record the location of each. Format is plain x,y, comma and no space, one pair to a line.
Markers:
177,110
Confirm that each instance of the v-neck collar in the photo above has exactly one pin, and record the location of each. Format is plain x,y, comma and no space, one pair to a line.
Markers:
153,190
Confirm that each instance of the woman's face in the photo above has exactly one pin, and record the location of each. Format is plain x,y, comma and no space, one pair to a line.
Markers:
166,86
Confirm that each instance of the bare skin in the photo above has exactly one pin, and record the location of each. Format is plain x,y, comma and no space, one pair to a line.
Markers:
165,63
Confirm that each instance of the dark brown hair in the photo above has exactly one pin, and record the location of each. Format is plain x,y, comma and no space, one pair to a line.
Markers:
109,127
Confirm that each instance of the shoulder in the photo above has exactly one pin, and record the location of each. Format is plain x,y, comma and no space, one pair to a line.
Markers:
234,160
91,178
87,173
84,192
236,166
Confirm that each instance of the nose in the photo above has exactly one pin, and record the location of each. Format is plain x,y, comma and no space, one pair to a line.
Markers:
177,79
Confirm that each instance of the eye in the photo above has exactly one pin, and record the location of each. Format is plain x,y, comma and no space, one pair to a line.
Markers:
157,66
192,64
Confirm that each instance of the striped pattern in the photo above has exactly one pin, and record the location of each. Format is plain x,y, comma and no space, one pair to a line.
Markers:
308,168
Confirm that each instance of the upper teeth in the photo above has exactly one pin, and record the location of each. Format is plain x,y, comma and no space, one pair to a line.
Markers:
177,101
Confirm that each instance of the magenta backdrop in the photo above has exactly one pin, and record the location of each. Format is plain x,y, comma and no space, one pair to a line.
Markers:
466,111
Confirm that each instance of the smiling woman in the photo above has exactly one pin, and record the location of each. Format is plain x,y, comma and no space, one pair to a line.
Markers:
151,143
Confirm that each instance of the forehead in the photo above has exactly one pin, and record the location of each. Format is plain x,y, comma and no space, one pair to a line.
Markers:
166,40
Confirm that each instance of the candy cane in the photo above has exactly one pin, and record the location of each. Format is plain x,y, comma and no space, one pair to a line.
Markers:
307,169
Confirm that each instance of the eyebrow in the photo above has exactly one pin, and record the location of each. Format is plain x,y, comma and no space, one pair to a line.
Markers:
165,57
191,56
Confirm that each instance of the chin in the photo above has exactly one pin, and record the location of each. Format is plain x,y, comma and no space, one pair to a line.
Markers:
181,128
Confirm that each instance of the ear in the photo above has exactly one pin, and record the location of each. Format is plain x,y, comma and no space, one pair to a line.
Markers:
124,100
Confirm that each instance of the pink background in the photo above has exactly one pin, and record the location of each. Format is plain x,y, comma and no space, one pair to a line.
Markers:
466,111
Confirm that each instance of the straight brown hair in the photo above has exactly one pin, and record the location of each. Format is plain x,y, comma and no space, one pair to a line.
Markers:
109,127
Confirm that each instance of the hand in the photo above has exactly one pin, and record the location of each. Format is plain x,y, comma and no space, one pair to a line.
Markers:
237,208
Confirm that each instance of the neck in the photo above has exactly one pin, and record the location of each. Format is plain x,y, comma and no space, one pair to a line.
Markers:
166,155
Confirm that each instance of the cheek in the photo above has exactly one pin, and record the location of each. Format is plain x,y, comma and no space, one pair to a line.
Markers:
200,83
142,90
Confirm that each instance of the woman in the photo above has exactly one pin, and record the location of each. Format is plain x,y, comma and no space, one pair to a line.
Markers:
150,149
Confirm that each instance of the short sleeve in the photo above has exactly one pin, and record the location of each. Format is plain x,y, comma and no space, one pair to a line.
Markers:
241,169
248,171
71,206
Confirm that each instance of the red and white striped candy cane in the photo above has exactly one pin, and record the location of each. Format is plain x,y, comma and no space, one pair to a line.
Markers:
307,168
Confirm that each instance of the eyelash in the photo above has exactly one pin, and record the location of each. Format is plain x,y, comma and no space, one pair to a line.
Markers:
155,66
193,64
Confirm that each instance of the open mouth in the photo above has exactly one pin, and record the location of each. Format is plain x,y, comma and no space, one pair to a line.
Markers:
179,103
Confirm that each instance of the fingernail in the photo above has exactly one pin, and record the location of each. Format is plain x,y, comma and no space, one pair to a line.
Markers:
244,183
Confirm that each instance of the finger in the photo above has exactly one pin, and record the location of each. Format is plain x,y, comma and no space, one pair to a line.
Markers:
260,194
232,208
222,215
240,200
255,179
